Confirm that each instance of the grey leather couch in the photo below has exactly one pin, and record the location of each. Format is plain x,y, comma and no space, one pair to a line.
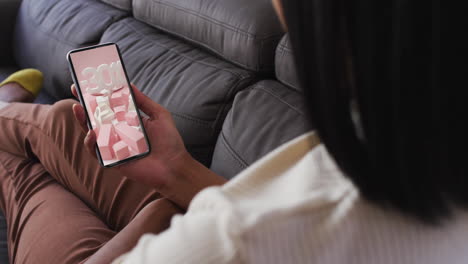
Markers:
223,68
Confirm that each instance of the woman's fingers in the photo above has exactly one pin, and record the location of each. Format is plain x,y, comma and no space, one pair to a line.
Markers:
90,142
80,116
148,106
73,90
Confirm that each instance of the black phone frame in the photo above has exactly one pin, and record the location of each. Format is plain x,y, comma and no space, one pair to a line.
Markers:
80,95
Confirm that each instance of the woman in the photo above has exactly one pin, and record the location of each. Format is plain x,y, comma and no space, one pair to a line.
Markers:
386,185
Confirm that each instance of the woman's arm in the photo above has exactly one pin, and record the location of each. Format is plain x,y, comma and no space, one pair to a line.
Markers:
155,217
189,177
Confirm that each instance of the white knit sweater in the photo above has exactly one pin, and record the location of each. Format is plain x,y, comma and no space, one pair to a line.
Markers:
295,206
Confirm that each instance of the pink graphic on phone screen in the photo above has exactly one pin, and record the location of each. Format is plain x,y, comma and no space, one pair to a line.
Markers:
109,103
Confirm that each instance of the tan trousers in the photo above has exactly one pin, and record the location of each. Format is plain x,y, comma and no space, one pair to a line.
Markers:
60,205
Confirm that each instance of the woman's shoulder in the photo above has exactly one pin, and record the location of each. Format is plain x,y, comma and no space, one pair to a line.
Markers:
298,196
297,176
301,167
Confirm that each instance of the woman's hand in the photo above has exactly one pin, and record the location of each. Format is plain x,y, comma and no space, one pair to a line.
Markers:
169,168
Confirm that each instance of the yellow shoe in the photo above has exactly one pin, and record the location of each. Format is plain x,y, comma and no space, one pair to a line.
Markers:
30,79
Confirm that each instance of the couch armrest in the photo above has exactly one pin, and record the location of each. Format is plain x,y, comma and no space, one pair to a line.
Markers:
8,12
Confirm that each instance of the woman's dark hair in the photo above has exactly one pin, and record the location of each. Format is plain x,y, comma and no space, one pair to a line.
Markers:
384,56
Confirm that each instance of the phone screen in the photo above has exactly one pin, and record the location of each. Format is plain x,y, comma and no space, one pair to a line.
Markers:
103,85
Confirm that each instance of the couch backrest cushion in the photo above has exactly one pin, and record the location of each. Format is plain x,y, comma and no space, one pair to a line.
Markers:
121,4
262,118
285,67
244,32
47,29
197,87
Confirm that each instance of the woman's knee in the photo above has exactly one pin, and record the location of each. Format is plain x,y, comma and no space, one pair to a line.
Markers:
60,115
62,109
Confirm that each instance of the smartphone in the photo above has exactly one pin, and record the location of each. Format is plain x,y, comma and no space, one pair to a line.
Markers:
104,91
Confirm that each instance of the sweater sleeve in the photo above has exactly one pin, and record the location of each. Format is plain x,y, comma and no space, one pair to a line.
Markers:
201,236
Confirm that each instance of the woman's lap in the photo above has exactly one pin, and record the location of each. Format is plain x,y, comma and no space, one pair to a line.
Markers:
50,135
46,223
